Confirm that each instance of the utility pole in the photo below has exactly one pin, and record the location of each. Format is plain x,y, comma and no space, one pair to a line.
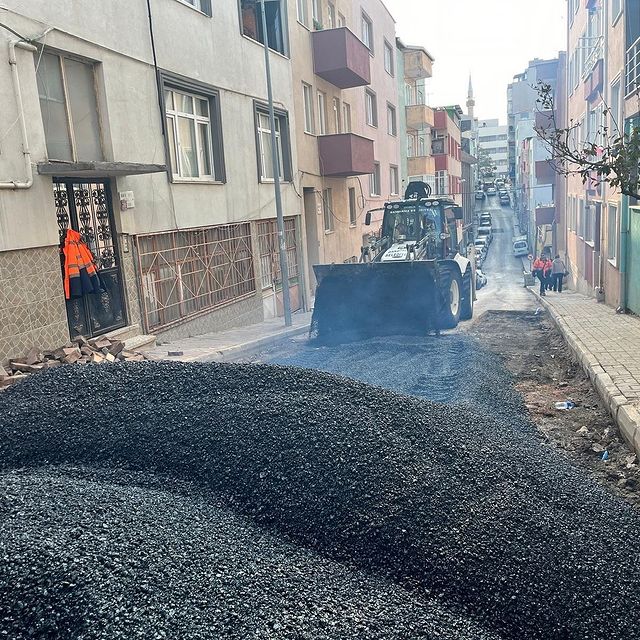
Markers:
282,245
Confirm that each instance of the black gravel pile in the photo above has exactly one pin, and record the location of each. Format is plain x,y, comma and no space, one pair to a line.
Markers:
474,512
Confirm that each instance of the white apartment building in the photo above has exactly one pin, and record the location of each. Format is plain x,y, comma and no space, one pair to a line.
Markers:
493,139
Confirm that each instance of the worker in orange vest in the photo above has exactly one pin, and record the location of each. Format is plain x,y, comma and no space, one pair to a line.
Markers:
548,268
538,272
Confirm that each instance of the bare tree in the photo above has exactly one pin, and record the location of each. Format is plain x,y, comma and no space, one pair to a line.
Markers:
610,156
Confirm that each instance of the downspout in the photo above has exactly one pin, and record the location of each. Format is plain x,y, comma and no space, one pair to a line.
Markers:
625,215
15,184
604,208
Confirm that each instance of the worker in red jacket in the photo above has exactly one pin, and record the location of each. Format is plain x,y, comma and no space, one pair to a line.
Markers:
548,269
538,272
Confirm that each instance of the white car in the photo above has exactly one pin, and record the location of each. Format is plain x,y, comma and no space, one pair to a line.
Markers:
481,246
491,191
485,231
481,279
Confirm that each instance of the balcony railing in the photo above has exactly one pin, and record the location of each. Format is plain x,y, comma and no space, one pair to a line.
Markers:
345,154
594,51
632,83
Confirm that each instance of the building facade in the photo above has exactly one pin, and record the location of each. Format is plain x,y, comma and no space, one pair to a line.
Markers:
492,138
596,89
158,157
446,147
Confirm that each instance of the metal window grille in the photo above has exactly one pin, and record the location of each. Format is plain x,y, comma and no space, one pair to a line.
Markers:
633,68
187,273
269,254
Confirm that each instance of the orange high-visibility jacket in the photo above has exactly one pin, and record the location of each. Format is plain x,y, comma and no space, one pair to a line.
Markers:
80,275
538,265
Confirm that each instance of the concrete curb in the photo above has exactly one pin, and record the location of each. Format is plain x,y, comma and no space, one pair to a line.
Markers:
625,415
222,354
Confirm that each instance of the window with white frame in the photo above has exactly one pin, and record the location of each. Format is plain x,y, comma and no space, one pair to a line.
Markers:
193,135
342,21
346,117
442,183
388,58
337,128
588,222
394,181
612,233
374,180
353,212
66,88
315,12
392,125
322,113
327,209
366,31
200,5
371,108
307,95
302,8
580,221
265,155
331,12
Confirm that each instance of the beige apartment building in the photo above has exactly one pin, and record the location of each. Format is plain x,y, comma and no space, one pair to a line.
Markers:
346,105
595,85
144,128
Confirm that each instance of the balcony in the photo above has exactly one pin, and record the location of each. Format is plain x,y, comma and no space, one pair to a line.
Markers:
545,214
632,83
421,165
345,154
340,58
419,116
593,82
417,64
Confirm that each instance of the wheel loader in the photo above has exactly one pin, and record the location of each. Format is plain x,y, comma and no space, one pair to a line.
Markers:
411,278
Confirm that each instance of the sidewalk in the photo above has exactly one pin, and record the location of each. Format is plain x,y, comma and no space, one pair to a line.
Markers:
607,345
225,345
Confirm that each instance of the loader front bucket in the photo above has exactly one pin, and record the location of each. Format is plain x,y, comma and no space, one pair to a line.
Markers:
355,301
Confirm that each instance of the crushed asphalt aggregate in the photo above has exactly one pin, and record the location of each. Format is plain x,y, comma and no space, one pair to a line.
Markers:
162,500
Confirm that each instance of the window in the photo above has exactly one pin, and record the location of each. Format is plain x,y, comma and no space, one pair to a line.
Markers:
342,21
327,209
200,5
374,180
302,7
251,19
352,207
371,108
392,126
331,9
612,233
614,114
588,223
308,107
336,116
394,183
366,31
346,117
580,220
265,156
315,12
388,58
442,183
193,135
66,88
616,9
322,113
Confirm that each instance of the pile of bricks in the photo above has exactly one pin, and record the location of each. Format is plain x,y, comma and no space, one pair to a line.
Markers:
79,351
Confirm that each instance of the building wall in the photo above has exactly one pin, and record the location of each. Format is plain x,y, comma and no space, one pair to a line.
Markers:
493,138
131,124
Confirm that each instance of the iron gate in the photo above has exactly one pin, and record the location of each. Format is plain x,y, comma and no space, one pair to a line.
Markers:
86,207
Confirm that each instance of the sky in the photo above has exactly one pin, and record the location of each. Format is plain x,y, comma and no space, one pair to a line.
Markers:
491,39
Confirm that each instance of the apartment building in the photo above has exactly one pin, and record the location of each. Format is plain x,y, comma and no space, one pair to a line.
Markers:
539,191
130,131
492,138
346,99
446,148
596,84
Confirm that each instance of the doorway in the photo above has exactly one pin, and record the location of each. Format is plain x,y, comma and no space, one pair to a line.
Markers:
86,207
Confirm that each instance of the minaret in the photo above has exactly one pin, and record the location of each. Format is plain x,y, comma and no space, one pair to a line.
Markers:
470,101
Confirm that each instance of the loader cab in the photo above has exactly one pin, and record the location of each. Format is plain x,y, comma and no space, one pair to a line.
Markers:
411,222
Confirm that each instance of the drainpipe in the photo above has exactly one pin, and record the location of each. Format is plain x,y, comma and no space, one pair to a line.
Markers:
625,221
604,208
16,184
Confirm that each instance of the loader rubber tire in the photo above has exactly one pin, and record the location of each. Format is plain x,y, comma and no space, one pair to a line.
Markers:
451,299
466,309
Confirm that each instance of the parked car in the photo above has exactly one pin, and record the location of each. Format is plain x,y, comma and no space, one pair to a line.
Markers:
481,246
485,231
481,279
520,246
491,191
485,219
480,195
505,199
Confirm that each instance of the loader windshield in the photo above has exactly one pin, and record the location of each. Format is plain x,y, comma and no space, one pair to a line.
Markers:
411,223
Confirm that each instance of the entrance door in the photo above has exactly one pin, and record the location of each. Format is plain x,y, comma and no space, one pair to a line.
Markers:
86,207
